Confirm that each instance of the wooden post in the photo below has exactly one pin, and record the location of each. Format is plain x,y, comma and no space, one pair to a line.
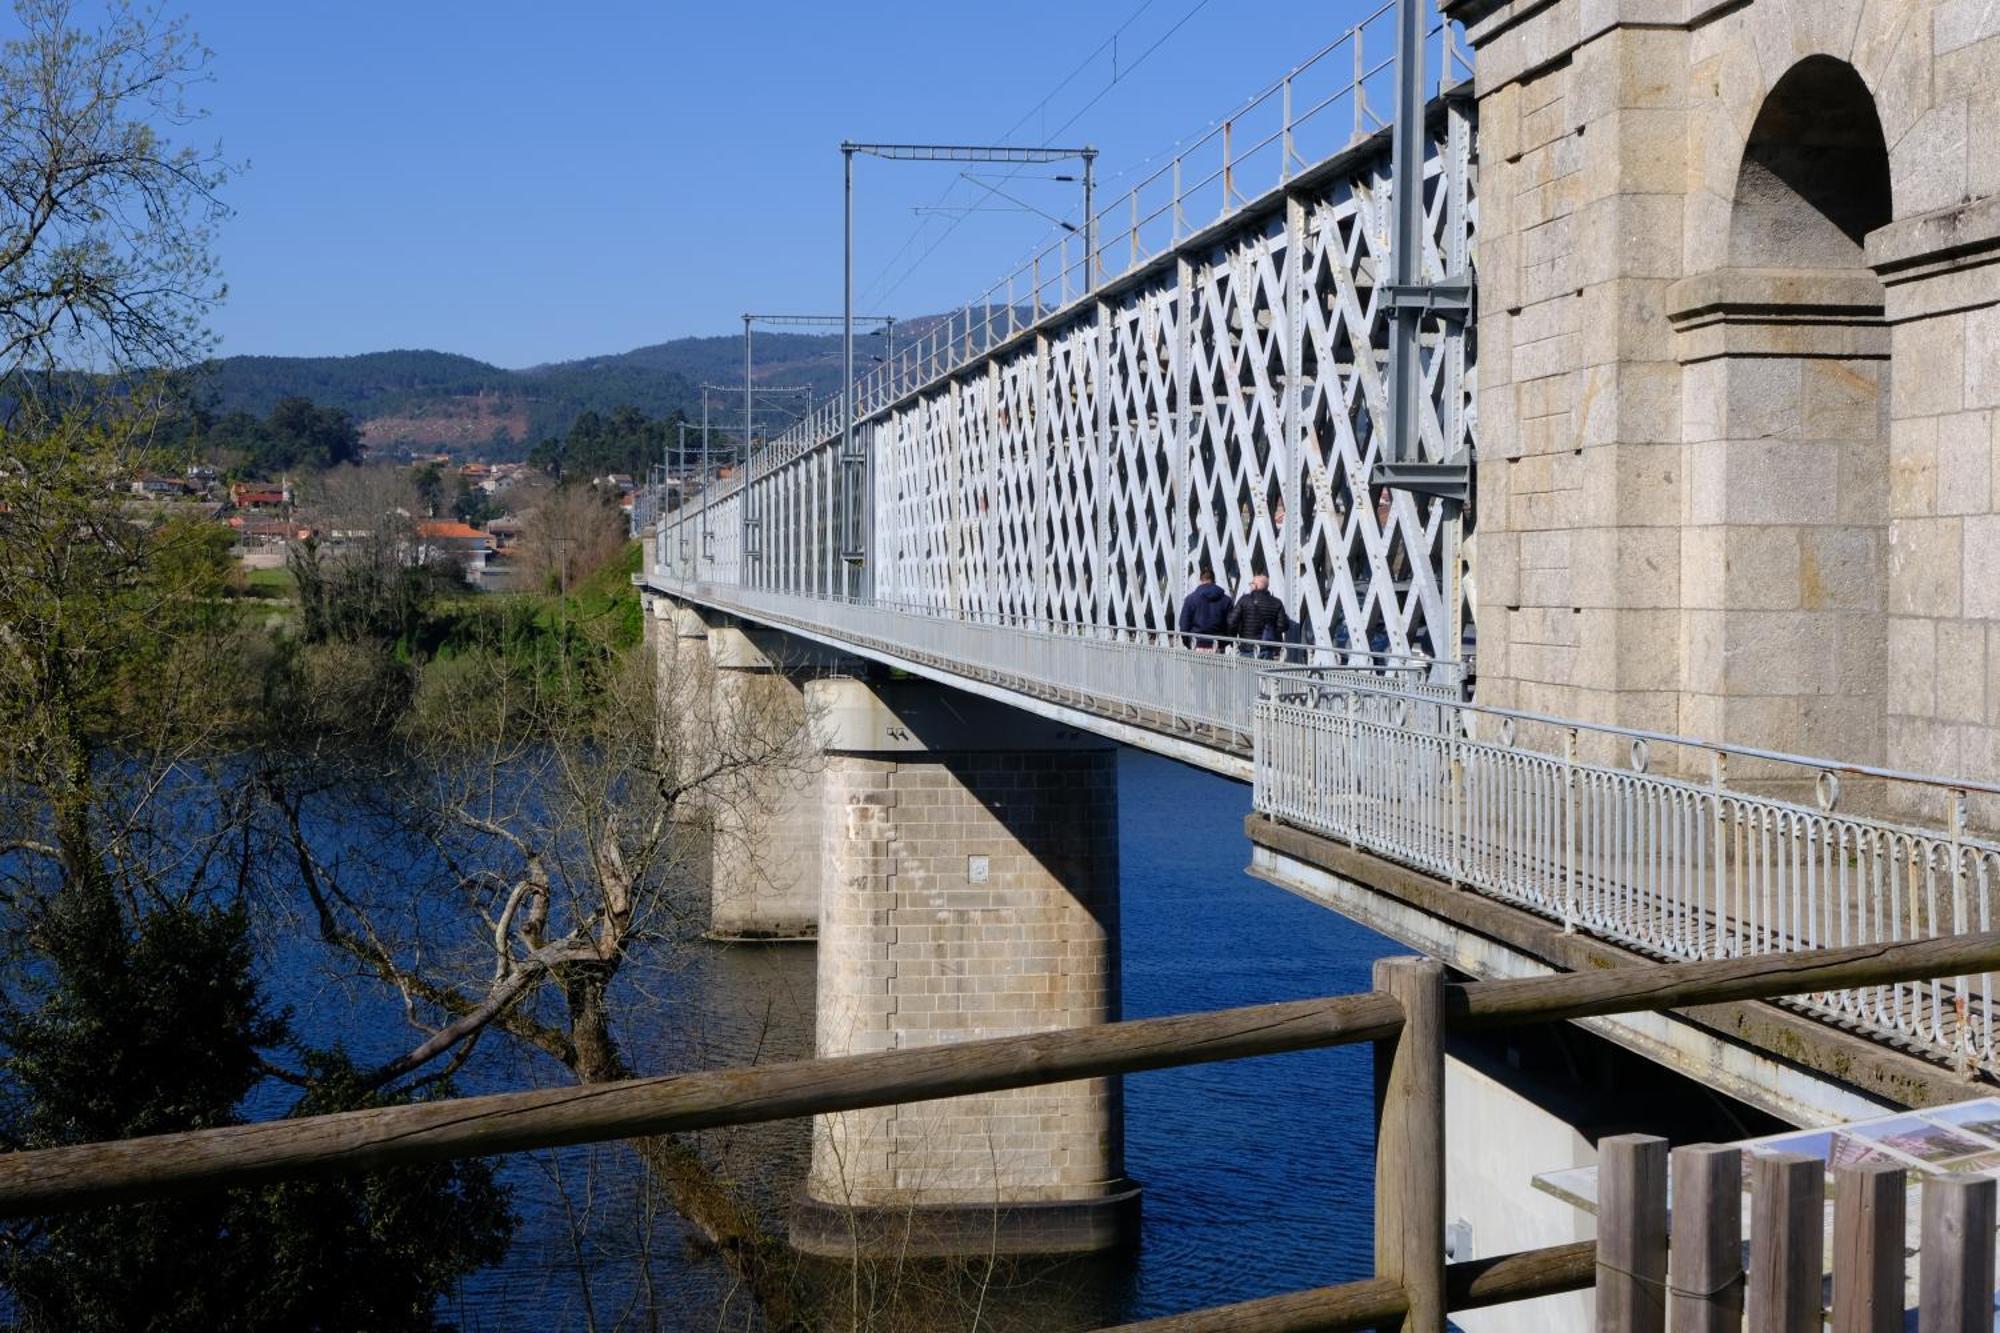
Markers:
1409,1141
1787,1217
1632,1234
1955,1261
1868,1249
1706,1264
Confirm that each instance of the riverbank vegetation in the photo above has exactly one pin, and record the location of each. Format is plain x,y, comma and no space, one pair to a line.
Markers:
131,995
461,814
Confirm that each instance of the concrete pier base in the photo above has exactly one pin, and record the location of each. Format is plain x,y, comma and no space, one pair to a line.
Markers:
685,680
764,876
970,890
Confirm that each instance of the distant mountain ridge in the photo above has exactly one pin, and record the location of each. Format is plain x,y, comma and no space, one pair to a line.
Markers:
425,400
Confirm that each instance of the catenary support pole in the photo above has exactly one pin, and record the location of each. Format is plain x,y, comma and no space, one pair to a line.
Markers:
707,481
847,359
1089,220
1408,172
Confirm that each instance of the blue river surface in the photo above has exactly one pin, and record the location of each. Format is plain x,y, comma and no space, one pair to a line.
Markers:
1257,1173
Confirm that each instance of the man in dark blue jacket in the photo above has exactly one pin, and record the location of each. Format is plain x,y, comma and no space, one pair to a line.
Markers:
1205,611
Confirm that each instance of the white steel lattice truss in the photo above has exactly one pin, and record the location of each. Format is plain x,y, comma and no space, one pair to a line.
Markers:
1221,406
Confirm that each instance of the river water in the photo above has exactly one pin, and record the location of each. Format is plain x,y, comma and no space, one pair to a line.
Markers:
1257,1173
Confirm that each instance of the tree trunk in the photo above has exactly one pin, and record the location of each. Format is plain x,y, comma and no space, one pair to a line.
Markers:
762,1261
584,987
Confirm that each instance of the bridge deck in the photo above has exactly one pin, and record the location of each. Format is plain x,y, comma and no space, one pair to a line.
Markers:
1194,707
1581,832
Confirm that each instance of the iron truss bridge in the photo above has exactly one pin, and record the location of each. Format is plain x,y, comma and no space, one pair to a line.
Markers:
1033,484
1221,402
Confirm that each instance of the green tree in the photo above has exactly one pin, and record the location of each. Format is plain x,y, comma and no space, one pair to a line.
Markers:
472,505
297,436
429,482
157,1025
306,435
128,1001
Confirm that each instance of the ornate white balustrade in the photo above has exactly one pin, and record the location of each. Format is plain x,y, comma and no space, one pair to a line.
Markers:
1570,821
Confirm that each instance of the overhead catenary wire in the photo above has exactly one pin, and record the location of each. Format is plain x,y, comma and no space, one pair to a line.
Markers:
1004,137
1119,75
1182,22
1173,149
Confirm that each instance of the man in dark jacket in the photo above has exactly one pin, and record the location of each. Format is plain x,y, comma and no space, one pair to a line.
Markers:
1261,617
1205,611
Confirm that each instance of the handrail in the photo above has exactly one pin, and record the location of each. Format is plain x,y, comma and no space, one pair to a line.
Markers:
49,1179
1357,658
1147,679
1283,677
1673,866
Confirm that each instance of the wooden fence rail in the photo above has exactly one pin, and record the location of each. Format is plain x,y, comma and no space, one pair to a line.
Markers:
1407,1016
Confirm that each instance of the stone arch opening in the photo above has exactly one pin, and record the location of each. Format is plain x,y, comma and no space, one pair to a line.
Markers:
1814,180
1786,364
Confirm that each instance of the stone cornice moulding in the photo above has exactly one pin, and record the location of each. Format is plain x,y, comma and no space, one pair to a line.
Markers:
1816,313
1487,19
1944,241
1940,262
1470,12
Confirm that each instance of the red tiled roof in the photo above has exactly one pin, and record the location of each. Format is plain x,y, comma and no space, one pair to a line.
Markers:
443,529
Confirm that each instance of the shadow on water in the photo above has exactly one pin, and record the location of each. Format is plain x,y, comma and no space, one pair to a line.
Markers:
1257,1173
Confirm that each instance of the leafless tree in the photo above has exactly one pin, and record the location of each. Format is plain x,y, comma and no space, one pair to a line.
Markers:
571,531
531,848
365,570
105,221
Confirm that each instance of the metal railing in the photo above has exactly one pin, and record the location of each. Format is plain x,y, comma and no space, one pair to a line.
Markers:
1152,678
1680,865
1340,96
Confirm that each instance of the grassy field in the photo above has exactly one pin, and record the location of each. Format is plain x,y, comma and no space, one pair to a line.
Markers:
603,601
270,583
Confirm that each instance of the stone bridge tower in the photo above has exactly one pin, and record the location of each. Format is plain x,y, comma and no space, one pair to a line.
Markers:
1740,370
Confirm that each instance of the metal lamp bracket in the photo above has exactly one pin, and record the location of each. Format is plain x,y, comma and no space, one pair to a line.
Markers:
1449,480
1450,299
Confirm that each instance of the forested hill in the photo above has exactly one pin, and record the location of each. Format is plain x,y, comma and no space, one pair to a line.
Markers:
436,400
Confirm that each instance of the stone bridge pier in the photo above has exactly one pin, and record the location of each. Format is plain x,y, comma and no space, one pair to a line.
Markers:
957,861
765,803
970,889
733,717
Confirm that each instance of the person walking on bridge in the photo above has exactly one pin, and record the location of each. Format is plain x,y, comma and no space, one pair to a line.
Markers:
1260,617
1205,611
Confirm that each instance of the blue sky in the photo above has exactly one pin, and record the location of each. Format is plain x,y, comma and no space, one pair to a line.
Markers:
525,181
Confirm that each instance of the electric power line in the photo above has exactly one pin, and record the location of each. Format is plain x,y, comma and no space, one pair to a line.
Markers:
907,273
1108,43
